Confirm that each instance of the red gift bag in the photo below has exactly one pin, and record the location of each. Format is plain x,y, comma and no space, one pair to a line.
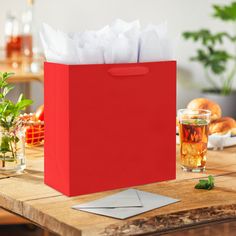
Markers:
109,126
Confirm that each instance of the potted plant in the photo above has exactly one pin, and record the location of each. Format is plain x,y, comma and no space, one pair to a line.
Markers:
218,62
12,141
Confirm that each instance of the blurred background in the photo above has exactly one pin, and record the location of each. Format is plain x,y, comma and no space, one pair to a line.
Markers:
79,15
21,51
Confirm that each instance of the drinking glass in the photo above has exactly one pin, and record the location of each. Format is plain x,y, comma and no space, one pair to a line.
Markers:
193,133
12,151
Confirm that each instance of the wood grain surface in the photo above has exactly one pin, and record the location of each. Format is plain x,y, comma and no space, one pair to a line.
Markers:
21,76
28,196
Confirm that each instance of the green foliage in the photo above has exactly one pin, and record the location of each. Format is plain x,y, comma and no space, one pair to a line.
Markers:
226,13
9,111
5,147
206,184
206,37
9,119
213,58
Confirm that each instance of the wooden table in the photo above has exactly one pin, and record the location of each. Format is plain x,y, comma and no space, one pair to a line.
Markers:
20,76
27,196
26,77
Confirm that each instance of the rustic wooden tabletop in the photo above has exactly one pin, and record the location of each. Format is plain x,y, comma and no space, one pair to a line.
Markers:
28,196
21,76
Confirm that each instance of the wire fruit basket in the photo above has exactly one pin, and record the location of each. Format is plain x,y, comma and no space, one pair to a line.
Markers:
34,130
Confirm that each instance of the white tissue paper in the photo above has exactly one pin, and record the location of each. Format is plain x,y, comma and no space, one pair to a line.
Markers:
58,47
119,42
123,45
154,44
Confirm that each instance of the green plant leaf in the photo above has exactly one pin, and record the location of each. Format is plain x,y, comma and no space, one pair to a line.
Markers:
15,139
20,98
22,104
200,122
207,38
5,147
225,12
7,75
7,89
206,184
212,58
9,111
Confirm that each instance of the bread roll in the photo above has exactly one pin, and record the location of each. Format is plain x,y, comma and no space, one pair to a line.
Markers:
233,131
206,104
222,125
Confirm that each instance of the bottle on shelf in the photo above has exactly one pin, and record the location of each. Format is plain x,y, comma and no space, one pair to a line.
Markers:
22,51
27,36
13,40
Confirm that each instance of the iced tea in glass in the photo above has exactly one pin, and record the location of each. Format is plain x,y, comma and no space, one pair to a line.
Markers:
193,134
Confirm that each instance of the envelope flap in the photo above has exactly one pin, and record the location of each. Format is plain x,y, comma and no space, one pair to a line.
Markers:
127,198
149,200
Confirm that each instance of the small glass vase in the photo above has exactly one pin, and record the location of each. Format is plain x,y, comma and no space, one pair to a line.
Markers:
12,150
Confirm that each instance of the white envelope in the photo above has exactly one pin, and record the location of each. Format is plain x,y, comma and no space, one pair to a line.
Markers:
126,204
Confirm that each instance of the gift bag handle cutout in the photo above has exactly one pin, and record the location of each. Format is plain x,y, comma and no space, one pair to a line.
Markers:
128,71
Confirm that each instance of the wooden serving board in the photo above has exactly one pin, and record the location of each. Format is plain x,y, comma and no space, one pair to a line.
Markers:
27,196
